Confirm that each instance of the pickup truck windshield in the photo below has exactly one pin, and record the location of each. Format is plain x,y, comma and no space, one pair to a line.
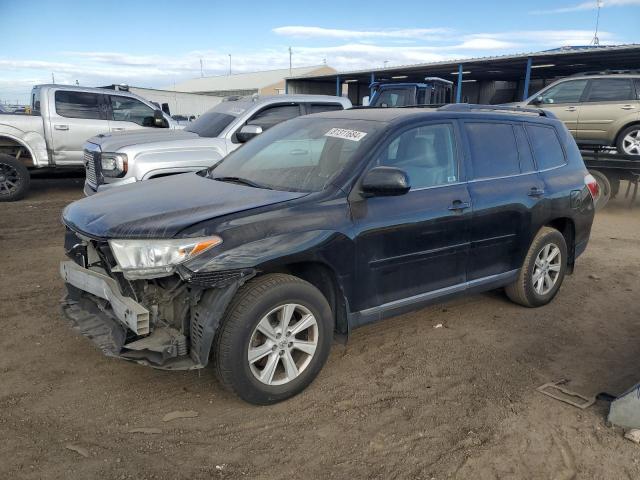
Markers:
300,155
210,124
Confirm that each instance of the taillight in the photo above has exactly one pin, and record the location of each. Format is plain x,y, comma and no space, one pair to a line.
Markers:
592,185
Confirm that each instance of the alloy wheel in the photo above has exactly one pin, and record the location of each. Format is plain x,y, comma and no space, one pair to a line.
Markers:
283,344
631,143
9,179
547,269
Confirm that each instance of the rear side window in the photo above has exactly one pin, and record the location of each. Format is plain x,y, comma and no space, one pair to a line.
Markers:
546,146
323,107
269,117
78,104
611,90
524,150
493,149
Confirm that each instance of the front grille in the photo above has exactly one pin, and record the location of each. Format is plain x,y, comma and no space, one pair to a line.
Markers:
90,168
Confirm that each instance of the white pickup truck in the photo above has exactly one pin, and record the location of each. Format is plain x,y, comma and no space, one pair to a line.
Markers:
61,119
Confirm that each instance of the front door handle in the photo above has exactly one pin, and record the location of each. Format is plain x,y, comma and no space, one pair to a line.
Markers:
459,205
61,127
536,192
117,129
627,107
570,109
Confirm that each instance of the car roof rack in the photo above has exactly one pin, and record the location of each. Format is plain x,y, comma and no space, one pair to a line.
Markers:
606,72
467,107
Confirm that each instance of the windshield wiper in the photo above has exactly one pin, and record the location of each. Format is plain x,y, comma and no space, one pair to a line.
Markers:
241,181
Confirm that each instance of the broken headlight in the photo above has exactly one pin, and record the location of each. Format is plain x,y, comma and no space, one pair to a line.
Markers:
157,258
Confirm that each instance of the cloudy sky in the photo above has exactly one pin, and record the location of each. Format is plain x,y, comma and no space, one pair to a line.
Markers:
157,43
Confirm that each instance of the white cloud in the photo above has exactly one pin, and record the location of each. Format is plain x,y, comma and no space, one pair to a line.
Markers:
588,6
320,32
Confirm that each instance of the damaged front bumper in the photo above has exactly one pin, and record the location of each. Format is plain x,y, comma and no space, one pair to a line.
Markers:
124,328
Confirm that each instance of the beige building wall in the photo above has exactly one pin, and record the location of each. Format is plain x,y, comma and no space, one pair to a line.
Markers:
279,87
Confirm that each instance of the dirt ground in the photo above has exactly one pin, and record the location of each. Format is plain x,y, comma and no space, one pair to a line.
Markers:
401,400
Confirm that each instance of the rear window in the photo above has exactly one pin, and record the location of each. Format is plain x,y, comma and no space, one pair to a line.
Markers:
323,107
78,104
611,90
546,146
493,149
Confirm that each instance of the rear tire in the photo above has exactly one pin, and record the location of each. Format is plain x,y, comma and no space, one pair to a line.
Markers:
628,139
14,179
264,358
540,278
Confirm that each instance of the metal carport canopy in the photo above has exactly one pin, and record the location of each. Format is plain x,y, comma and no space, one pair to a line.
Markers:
546,64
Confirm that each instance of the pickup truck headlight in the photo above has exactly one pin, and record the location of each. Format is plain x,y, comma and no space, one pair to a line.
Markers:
113,164
157,258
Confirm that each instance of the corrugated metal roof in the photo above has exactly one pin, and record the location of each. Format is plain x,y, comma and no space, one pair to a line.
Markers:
244,81
557,52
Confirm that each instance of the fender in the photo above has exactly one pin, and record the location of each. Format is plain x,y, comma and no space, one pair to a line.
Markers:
34,142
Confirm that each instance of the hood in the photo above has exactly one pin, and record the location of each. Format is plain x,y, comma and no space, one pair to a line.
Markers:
163,207
112,142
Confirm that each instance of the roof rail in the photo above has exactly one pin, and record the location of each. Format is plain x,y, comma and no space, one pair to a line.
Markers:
466,107
606,72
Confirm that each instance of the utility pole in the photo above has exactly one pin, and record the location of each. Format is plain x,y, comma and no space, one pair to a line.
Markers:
201,69
290,54
229,64
596,40
53,78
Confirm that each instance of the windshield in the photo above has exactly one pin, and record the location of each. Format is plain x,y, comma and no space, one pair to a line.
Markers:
300,155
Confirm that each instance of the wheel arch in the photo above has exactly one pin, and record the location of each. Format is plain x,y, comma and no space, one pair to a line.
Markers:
325,279
9,143
567,228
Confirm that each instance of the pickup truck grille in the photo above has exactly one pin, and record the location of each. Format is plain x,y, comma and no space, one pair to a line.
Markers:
90,168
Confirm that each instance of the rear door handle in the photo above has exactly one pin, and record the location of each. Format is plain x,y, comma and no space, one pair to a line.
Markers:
61,127
458,206
570,109
117,129
627,107
536,192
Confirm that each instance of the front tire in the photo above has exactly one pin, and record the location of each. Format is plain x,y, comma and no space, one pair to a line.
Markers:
542,271
14,179
274,340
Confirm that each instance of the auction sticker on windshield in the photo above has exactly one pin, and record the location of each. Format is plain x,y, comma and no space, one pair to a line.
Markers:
346,134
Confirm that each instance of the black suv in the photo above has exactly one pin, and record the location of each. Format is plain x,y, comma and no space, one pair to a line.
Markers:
320,225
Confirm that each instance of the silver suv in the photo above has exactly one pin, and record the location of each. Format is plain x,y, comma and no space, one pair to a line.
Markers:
122,158
600,109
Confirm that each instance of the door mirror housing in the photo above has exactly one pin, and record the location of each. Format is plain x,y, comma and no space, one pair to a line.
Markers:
537,101
158,119
385,182
247,132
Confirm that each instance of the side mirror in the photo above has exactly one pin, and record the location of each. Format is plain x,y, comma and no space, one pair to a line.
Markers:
247,132
385,182
158,119
537,100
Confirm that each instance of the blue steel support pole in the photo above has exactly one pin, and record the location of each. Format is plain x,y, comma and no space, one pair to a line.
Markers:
459,87
527,79
338,86
373,79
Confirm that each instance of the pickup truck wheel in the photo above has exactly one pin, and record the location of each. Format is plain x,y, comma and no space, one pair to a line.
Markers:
14,179
629,140
274,340
542,271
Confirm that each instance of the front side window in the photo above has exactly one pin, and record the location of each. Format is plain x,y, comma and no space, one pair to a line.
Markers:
611,90
427,154
546,146
127,109
272,116
565,92
78,104
302,155
493,149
